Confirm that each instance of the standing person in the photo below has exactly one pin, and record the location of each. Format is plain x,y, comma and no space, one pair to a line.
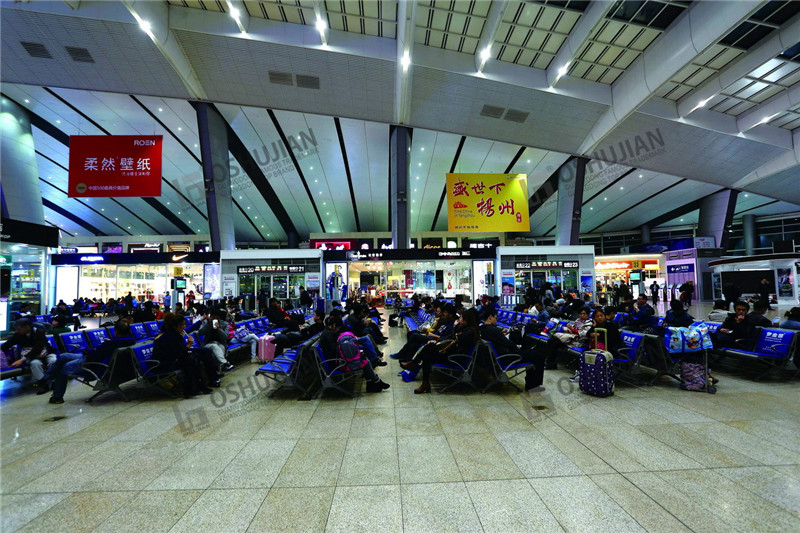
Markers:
262,300
654,288
305,300
128,301
689,293
167,300
763,293
732,293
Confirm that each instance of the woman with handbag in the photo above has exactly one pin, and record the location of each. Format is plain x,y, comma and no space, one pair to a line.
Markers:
465,336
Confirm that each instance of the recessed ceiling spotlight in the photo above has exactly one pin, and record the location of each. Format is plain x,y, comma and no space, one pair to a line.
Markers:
180,129
622,188
422,149
640,175
58,122
529,160
160,109
419,164
195,146
27,101
605,198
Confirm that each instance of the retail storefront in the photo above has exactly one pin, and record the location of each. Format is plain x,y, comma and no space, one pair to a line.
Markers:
639,271
145,275
23,267
569,268
280,273
380,274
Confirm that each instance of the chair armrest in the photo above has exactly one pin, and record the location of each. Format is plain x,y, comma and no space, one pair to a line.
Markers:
341,364
513,358
625,352
456,356
101,369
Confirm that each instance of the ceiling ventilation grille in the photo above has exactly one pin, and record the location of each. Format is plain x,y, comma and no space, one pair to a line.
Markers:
515,115
307,82
280,78
81,55
492,111
36,50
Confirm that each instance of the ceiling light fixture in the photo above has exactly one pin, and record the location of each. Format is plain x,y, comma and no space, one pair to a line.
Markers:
160,109
405,61
180,129
235,13
321,27
27,101
486,53
144,25
702,103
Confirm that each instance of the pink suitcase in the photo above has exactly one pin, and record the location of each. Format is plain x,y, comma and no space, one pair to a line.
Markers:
266,350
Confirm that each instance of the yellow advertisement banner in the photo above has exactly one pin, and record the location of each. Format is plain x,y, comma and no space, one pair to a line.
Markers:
487,202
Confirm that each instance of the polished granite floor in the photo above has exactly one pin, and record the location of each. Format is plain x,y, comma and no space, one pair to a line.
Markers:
648,458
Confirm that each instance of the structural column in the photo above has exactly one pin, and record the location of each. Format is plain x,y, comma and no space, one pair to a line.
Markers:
645,229
19,180
716,216
216,176
570,200
399,161
749,227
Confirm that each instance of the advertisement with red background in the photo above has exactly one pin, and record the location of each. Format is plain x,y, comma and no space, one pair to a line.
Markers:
338,244
114,165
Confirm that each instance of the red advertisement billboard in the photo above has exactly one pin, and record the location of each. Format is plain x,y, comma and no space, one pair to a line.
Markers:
114,165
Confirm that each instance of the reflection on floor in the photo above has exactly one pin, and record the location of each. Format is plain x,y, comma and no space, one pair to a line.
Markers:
655,459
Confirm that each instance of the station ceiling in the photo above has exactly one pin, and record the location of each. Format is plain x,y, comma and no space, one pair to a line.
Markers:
490,87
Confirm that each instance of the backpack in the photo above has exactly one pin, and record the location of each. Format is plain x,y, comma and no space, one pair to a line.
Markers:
350,351
231,331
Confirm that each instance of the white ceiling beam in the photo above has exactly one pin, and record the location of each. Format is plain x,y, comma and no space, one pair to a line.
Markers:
700,26
484,50
587,25
155,16
242,18
783,162
321,21
769,108
767,49
74,4
406,23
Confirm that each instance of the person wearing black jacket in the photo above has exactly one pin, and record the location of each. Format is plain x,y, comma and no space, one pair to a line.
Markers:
329,342
534,377
173,351
33,346
741,326
293,338
465,334
444,329
69,364
278,318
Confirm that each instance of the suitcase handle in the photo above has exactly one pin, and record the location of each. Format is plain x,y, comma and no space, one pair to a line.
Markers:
597,331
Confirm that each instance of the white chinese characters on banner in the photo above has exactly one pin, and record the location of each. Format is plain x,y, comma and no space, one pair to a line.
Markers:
126,165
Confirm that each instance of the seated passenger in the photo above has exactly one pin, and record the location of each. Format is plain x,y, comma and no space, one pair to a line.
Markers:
293,338
677,316
792,319
245,336
69,364
214,330
464,337
738,330
278,318
444,329
330,342
611,341
33,348
641,314
489,331
571,335
172,350
60,325
720,311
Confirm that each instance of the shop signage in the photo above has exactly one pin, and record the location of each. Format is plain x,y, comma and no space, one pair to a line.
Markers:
179,248
680,269
705,242
16,231
135,259
341,244
406,255
145,247
527,265
65,250
487,202
271,269
114,165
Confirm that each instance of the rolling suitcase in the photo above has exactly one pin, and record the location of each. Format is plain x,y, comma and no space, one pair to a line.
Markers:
596,370
266,349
